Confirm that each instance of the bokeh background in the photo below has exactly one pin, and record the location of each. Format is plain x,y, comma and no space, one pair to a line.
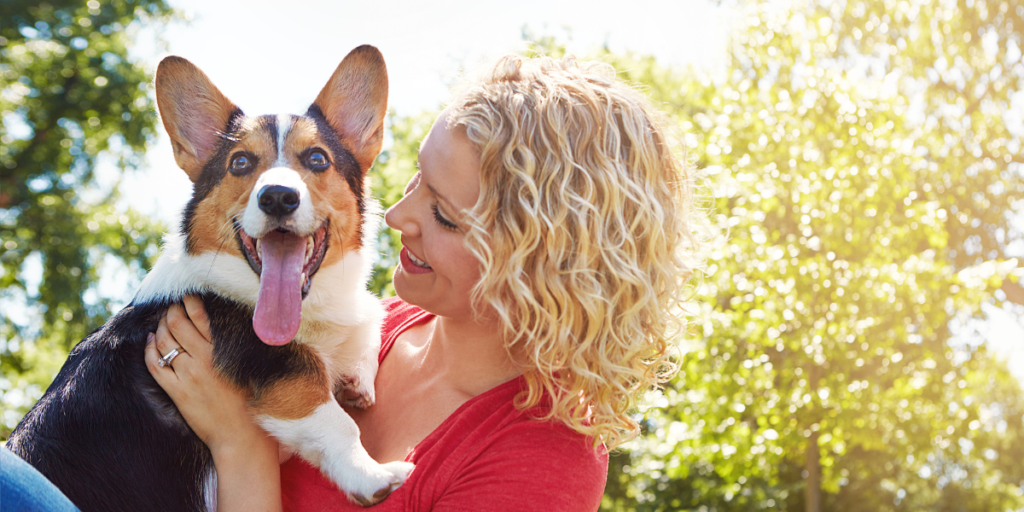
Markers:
858,338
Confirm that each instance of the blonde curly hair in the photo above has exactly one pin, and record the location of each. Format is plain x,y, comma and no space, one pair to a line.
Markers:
584,232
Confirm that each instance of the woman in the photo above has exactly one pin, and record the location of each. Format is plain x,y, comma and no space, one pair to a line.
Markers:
539,287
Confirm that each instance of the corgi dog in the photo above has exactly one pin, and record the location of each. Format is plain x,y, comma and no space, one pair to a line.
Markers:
276,241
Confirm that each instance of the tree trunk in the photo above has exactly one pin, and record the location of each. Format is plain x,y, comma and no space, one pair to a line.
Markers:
812,464
1014,292
812,491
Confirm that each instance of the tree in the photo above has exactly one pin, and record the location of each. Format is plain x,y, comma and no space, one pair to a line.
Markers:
71,97
864,165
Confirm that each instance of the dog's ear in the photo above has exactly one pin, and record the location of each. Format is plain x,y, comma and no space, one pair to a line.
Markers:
355,101
194,112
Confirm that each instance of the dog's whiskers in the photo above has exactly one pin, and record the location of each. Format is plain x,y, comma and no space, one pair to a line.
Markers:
229,228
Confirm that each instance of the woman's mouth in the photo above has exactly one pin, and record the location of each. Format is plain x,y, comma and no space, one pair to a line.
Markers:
412,264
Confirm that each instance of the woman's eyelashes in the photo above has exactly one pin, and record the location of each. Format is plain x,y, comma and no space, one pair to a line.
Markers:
445,223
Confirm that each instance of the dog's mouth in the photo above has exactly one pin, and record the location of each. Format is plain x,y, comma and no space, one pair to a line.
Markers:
316,248
286,263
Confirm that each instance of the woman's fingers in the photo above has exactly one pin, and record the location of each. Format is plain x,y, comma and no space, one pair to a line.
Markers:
215,409
195,311
165,342
164,375
163,338
186,333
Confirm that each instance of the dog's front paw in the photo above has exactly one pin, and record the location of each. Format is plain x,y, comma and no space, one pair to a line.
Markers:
353,391
397,473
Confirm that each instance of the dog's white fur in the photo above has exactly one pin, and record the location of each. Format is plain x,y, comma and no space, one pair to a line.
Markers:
318,437
284,124
341,320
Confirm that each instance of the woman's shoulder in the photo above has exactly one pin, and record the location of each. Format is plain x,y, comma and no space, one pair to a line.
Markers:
519,458
398,316
528,442
530,434
497,438
491,456
396,308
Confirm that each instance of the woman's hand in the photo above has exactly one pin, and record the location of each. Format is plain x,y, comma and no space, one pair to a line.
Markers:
214,408
246,458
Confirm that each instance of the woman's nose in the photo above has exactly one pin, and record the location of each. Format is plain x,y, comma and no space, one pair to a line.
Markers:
398,218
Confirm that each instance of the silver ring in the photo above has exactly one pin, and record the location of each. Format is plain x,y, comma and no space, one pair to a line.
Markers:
166,360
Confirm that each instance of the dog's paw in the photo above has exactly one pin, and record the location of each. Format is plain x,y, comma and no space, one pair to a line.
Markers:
395,474
352,391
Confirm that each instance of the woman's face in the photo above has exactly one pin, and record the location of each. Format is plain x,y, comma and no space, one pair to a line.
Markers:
436,272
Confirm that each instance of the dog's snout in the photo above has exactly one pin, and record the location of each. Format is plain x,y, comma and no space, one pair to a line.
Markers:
278,200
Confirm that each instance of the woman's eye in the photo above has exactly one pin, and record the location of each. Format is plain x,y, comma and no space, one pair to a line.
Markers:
316,160
445,223
241,164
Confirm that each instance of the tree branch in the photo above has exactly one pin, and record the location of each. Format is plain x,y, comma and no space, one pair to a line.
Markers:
1014,292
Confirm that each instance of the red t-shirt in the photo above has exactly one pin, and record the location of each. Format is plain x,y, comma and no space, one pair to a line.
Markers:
487,456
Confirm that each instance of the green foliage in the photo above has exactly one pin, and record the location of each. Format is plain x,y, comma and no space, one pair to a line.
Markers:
71,98
390,173
862,167
863,162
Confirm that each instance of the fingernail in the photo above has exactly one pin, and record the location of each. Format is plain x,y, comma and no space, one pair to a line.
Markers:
150,338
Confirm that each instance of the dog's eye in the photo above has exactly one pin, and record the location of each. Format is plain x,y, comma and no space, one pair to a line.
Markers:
241,164
317,161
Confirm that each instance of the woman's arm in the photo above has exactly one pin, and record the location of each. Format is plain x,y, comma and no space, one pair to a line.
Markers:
246,458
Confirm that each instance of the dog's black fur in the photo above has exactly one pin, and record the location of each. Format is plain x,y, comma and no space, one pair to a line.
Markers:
105,433
109,437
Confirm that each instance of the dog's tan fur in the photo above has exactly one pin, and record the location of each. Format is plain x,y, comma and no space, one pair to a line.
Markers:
346,108
295,398
190,82
300,409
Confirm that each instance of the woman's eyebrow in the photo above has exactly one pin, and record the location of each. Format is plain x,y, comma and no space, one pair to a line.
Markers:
441,197
449,202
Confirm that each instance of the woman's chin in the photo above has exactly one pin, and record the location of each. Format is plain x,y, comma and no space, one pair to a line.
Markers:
407,291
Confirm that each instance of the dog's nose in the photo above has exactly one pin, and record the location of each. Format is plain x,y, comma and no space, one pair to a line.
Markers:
278,200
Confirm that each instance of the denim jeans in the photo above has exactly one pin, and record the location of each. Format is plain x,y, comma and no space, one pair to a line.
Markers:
23,489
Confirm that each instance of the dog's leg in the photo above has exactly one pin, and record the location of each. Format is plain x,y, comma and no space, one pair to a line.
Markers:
351,353
327,437
356,362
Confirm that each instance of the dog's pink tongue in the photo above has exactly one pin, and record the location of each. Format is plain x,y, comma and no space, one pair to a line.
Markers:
279,306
